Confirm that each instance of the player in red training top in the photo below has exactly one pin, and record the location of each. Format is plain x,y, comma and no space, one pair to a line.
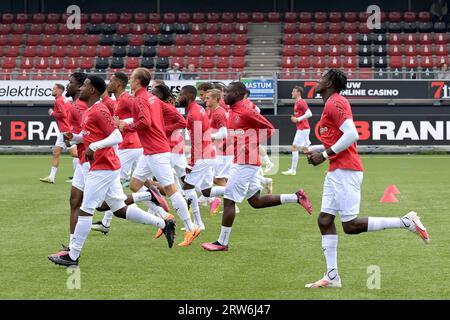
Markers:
300,118
61,115
342,186
148,122
247,125
202,158
103,180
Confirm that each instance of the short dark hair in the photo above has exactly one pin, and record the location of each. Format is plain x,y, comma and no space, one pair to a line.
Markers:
218,85
165,91
247,92
60,86
79,77
144,76
205,86
191,90
338,79
239,87
299,89
122,77
98,83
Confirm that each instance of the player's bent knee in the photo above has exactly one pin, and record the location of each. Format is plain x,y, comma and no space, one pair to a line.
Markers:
206,192
135,184
170,189
121,213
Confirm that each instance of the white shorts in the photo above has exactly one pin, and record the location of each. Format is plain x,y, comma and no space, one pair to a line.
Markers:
178,163
128,157
223,166
243,183
202,174
301,138
79,176
155,165
60,142
342,193
103,185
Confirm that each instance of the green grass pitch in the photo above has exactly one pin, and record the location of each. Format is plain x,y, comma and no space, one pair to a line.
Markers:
273,252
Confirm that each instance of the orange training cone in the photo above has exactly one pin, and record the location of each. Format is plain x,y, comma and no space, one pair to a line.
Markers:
388,198
392,189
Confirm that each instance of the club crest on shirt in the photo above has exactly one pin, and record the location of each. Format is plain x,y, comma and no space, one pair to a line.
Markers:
322,130
237,119
151,100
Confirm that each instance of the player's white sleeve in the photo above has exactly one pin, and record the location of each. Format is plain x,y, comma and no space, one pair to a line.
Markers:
308,114
128,120
114,138
76,138
257,109
348,138
221,134
317,148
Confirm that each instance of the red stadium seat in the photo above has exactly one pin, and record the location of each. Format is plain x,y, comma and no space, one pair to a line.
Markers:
38,18
125,18
242,17
288,62
441,50
56,74
16,39
3,40
111,18
350,38
240,39
5,29
194,51
72,63
195,39
164,51
426,50
18,29
320,17
179,51
59,51
74,52
81,31
209,51
132,63
226,28
320,27
47,40
96,18
351,72
350,62
350,17
223,62
289,39
318,63
44,51
62,40
395,50
211,28
224,39
207,63
212,17
89,51
184,17
105,51
238,62
140,17
137,28
210,39
92,39
239,50
440,38
9,63
193,60
34,39
87,63
258,17
241,28
395,38
410,38
334,62
123,29
410,50
222,74
273,17
154,18
424,16
206,73
336,27
169,18
236,72
288,50
287,73
136,40
13,51
50,29
304,39
22,18
29,52
41,63
305,17
335,17
440,60
426,38
198,17
7,18
153,29
350,27
290,17
426,62
63,30
411,62
290,28
395,16
304,62
26,63
304,50
56,63
334,50
335,39
396,62
180,40
319,39
196,28
77,40
179,60
24,74
363,28
409,16
305,28
319,50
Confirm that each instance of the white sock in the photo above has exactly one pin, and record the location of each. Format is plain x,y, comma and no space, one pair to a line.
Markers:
217,191
141,196
70,239
53,171
329,246
288,198
74,163
224,235
192,194
107,217
375,223
135,214
157,210
294,160
82,230
180,206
